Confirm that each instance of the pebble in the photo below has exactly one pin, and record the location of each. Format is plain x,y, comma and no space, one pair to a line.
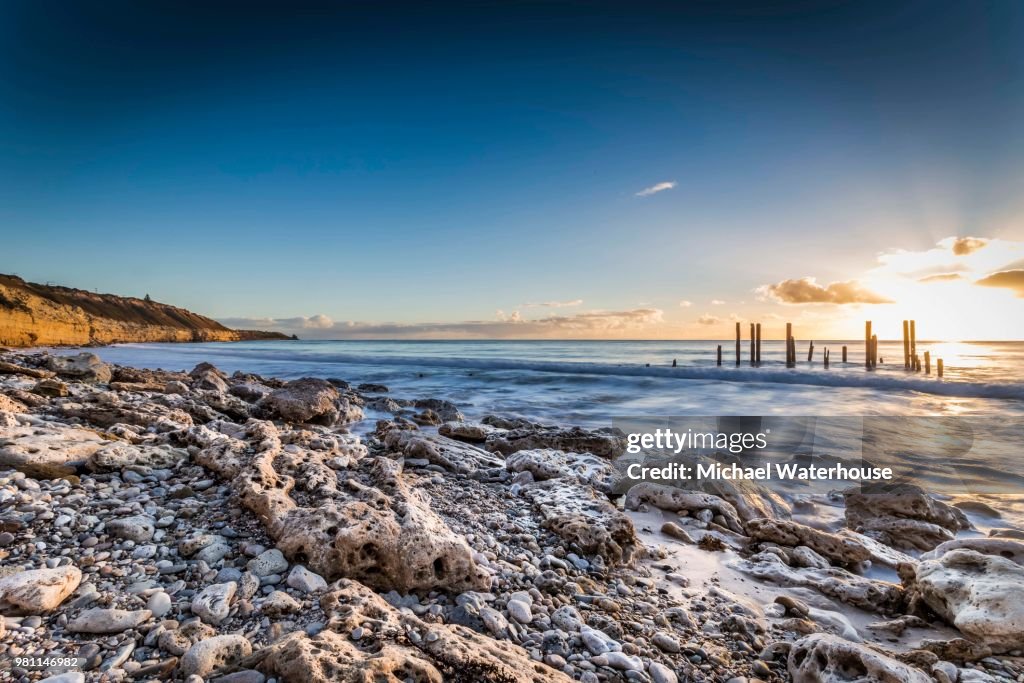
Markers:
267,563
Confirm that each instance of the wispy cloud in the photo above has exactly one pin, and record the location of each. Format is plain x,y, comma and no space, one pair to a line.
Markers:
717,302
655,189
685,304
806,290
708,319
553,304
962,246
584,325
941,277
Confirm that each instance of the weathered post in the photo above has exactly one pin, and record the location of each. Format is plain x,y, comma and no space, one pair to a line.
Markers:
758,354
719,355
824,357
867,344
810,352
913,338
938,367
906,344
789,338
927,362
844,353
874,350
753,350
737,344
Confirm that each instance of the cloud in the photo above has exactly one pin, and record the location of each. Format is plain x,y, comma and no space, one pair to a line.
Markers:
685,304
941,277
807,291
708,319
553,304
655,189
717,302
962,246
589,324
1009,279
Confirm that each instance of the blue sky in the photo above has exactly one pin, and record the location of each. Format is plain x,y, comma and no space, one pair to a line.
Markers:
426,167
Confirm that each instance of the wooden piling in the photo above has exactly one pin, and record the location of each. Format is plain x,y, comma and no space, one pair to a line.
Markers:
867,344
757,359
719,355
913,338
753,350
824,356
737,344
789,338
927,362
906,344
810,352
844,353
938,367
874,350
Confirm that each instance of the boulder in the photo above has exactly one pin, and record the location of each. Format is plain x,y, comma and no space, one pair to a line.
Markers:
51,388
452,455
403,647
604,442
825,658
1001,547
583,468
584,521
902,515
379,529
207,376
84,367
673,499
838,549
979,594
473,432
37,590
211,654
303,400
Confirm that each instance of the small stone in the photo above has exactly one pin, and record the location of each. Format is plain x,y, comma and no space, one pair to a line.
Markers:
267,563
661,673
138,528
102,620
520,611
306,581
666,642
214,653
278,603
159,604
38,590
213,603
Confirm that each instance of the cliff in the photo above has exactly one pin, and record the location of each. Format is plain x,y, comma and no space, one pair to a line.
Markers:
46,315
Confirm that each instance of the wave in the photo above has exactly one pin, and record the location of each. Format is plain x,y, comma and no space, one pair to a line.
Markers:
842,378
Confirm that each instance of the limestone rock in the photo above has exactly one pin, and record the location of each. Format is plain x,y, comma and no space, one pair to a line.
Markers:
118,455
868,594
84,367
382,531
213,603
1000,547
979,594
9,405
673,499
280,603
138,528
102,620
306,581
824,658
304,400
473,432
605,442
584,521
583,468
403,647
450,454
37,590
211,654
902,516
51,388
838,549
46,450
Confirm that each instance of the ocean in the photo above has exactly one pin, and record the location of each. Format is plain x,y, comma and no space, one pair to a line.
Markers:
590,382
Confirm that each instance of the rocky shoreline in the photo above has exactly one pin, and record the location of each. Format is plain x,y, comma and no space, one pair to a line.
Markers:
196,526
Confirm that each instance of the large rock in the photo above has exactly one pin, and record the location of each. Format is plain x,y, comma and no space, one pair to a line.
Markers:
979,594
450,454
381,531
837,549
583,468
835,582
211,654
208,377
37,590
585,522
304,400
85,367
902,516
605,442
825,658
673,499
47,450
1001,547
403,647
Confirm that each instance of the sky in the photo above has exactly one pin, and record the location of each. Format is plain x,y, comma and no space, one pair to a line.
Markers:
523,169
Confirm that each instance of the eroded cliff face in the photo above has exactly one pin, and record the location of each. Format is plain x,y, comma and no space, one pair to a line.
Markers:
44,315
